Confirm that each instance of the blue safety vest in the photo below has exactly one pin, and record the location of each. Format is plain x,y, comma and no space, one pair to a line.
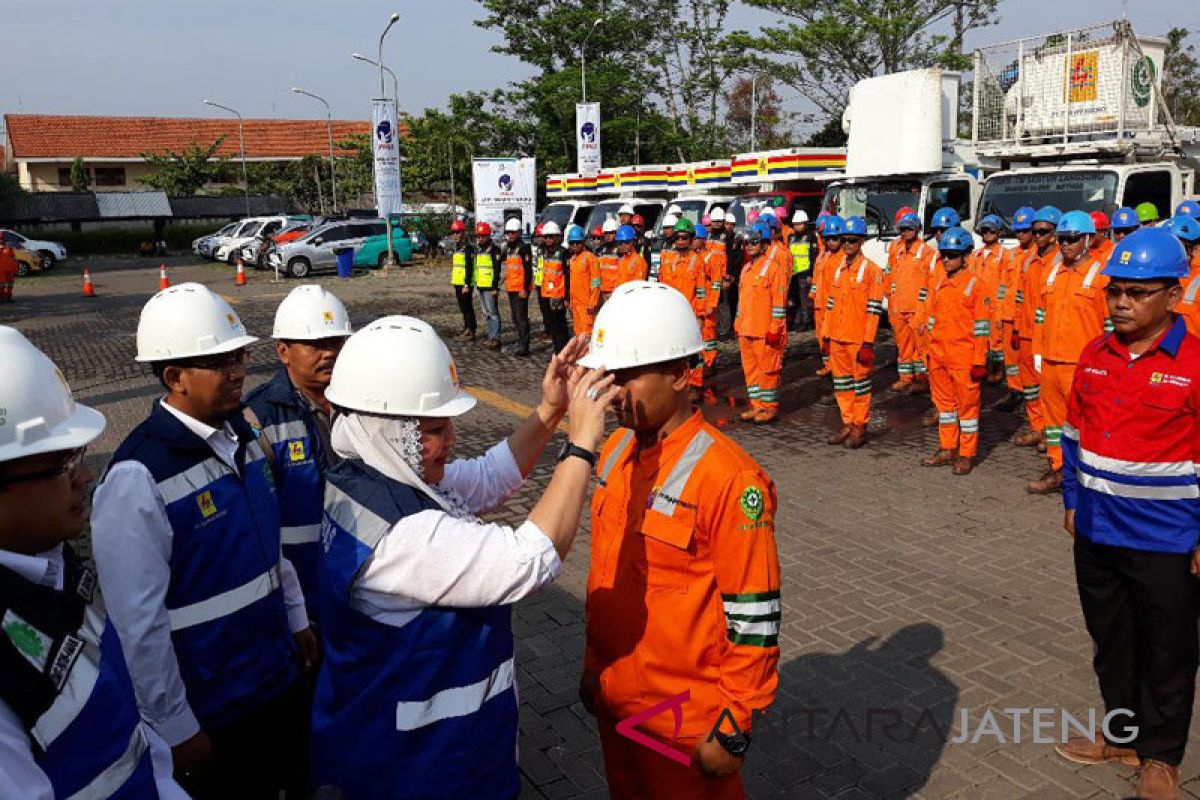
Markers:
64,676
228,621
300,460
419,708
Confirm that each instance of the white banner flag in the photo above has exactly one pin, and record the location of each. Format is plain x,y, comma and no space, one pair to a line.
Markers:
505,188
587,136
386,147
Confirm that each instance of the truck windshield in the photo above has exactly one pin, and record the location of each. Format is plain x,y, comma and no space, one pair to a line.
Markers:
603,212
692,210
742,206
1071,190
875,201
558,213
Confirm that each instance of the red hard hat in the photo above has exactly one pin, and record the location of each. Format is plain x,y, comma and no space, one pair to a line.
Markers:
457,225
637,219
1100,220
598,231
483,229
537,231
900,212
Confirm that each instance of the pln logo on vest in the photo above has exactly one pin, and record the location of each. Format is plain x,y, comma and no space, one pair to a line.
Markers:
296,450
207,507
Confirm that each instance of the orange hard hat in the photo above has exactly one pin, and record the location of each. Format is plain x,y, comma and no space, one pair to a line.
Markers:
483,229
1100,220
457,225
900,212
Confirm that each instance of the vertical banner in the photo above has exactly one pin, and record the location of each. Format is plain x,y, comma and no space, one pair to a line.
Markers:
386,148
587,136
505,188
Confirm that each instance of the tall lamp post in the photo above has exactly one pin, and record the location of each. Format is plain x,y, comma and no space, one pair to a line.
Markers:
395,81
329,130
242,143
392,20
583,58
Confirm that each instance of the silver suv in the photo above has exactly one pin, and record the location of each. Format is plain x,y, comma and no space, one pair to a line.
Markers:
315,251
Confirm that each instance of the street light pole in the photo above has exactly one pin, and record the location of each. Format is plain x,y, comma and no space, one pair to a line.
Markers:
395,82
754,112
583,58
242,144
329,130
392,20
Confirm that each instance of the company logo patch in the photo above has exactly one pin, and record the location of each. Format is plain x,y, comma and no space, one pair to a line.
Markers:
599,337
752,502
327,316
1167,379
296,450
67,653
207,507
1126,256
29,641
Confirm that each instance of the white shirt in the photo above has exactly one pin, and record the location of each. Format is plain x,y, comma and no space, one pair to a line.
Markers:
20,776
432,558
131,542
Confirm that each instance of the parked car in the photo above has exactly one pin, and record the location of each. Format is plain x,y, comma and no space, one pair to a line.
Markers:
51,252
258,250
315,250
372,253
229,250
28,261
203,245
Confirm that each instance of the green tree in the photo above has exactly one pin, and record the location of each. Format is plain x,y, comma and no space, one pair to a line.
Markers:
1181,78
79,176
769,133
187,172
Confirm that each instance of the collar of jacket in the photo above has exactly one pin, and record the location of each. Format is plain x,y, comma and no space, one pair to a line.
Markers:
164,426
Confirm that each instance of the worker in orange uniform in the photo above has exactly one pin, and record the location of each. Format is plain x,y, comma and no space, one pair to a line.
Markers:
683,590
680,267
712,268
991,263
855,306
8,271
909,260
554,283
518,282
1071,312
1187,230
1102,244
583,281
630,264
761,325
827,263
1005,310
958,322
1038,228
607,255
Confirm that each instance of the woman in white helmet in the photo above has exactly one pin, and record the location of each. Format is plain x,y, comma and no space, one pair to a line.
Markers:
415,697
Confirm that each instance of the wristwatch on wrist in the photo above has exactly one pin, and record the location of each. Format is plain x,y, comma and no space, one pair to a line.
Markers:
736,744
567,450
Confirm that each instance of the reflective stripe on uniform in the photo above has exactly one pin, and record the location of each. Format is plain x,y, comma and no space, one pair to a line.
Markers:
673,486
225,603
1133,469
1091,275
359,521
192,480
752,618
283,431
1193,287
968,425
947,417
607,467
1106,486
455,702
300,534
117,773
79,683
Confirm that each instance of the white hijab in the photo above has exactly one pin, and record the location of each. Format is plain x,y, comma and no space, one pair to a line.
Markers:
392,445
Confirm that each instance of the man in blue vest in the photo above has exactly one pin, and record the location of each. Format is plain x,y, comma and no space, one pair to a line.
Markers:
187,545
291,411
416,696
69,722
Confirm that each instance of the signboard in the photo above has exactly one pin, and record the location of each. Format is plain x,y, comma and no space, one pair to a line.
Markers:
385,138
505,187
587,136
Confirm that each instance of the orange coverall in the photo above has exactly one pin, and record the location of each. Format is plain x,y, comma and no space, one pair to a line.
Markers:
762,313
631,268
585,291
992,264
1189,305
825,264
907,290
682,595
1101,248
1071,312
1006,311
958,324
854,308
685,272
610,271
714,270
8,273
1028,290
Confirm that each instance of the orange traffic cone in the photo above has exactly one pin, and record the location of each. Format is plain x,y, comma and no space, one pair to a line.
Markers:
88,289
241,274
163,281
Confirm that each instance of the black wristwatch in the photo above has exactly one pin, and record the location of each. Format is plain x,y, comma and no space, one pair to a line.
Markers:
568,450
736,744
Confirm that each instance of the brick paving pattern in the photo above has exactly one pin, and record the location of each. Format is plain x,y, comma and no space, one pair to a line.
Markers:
910,595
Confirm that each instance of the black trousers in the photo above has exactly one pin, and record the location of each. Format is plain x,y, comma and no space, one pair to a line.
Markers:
544,307
730,296
1141,611
520,317
556,323
466,305
263,753
798,313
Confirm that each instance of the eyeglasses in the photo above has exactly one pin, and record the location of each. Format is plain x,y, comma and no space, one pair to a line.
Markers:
221,362
68,467
1043,231
1136,295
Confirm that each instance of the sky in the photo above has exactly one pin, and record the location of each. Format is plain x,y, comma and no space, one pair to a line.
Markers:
163,57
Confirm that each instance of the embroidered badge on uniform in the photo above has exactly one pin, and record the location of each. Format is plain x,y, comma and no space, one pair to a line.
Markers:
29,641
207,506
296,450
752,502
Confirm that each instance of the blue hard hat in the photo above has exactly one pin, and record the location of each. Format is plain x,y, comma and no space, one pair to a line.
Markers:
909,220
1189,207
1023,218
991,221
764,229
955,240
1125,218
855,226
945,217
1146,254
1076,222
834,225
576,234
1186,228
701,232
626,233
756,233
1047,214
768,218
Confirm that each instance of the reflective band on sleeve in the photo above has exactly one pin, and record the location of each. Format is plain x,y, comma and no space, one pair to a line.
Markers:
456,702
225,603
614,456
300,534
108,782
285,430
357,520
192,480
752,618
673,486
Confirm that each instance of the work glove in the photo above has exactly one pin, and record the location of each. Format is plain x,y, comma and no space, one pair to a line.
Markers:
1014,341
866,354
825,347
776,339
978,372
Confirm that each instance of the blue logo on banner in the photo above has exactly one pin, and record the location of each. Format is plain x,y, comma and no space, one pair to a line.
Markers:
506,182
588,132
384,132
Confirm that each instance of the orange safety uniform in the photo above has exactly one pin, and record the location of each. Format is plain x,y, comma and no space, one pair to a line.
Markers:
824,266
610,270
1006,312
1189,305
682,596
8,273
1071,313
992,264
684,271
554,277
514,273
1034,269
714,270
908,267
853,311
958,332
585,290
631,267
762,313
1101,248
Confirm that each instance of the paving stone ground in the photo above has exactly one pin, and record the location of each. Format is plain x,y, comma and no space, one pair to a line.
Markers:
911,596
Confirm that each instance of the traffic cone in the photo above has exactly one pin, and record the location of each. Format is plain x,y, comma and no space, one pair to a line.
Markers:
88,289
163,281
241,274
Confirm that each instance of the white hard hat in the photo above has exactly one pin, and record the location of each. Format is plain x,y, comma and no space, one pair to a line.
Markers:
188,320
716,215
309,313
398,366
38,413
800,216
674,209
643,323
626,209
669,221
513,224
610,225
551,229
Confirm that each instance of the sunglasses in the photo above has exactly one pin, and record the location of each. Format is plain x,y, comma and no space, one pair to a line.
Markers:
849,239
1136,295
983,231
68,467
1043,231
1069,238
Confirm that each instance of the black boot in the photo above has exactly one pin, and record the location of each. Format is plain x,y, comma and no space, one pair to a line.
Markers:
1010,402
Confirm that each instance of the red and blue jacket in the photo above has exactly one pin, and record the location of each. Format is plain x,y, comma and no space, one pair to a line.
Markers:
1131,445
